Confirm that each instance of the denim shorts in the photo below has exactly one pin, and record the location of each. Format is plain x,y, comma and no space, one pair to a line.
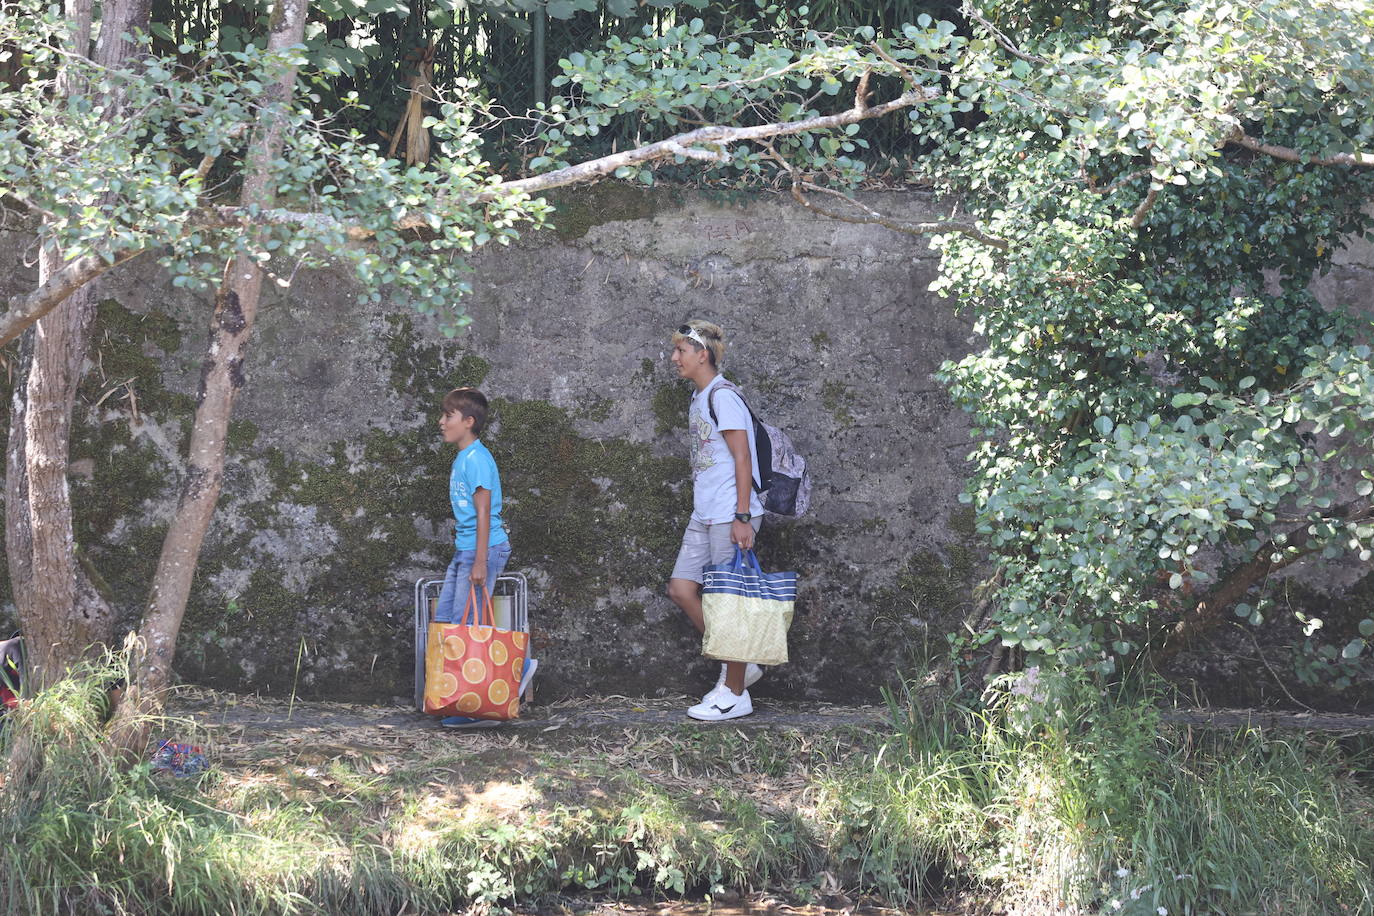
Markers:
457,590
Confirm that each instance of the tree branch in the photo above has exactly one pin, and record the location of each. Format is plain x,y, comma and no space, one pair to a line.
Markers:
861,92
1210,611
972,12
873,217
1143,210
27,308
1288,154
717,136
1120,182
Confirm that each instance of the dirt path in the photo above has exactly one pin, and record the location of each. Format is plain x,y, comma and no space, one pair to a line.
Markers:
245,719
246,731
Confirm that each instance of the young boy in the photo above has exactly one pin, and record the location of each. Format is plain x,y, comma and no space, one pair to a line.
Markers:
481,544
725,509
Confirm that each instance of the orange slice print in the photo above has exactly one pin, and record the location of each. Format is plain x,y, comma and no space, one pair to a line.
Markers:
499,653
479,634
474,671
454,647
445,685
469,702
498,692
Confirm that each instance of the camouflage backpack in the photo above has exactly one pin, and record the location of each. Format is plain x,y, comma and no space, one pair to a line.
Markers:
785,487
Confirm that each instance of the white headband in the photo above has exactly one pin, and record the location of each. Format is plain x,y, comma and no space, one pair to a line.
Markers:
693,335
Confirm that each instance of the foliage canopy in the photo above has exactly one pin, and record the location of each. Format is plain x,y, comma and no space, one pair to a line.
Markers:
1167,414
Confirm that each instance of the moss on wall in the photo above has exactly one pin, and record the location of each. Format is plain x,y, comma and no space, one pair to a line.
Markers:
124,409
577,212
837,398
670,407
591,512
362,511
426,370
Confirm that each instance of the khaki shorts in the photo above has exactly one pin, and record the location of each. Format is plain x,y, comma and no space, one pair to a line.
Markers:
705,545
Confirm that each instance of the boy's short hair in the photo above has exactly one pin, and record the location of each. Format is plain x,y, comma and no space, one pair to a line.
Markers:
470,403
703,335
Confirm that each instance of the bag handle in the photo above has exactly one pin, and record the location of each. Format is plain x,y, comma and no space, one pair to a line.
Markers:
745,558
477,608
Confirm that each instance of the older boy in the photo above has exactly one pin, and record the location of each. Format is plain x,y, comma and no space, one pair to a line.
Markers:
725,509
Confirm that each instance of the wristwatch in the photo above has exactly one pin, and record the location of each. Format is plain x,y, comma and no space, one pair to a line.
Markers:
743,517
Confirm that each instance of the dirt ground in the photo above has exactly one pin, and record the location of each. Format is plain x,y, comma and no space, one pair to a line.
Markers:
569,752
232,718
572,752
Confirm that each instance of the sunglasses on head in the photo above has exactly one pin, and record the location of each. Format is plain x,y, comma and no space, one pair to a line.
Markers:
691,333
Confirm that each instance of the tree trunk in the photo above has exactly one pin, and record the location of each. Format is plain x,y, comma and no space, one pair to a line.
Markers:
64,617
231,325
18,538
62,614
1207,614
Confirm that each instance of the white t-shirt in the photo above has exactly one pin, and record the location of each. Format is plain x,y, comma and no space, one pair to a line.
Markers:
713,470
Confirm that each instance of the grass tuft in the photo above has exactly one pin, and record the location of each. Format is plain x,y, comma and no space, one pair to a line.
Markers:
1055,796
1043,795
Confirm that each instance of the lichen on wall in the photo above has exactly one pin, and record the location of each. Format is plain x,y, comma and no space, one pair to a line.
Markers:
335,487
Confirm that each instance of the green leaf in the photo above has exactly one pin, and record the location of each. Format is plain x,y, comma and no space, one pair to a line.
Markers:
1353,649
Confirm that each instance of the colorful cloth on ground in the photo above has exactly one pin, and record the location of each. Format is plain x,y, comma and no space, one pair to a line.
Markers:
179,759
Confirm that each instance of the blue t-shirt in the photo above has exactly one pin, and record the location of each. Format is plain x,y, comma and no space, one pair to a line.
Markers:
474,469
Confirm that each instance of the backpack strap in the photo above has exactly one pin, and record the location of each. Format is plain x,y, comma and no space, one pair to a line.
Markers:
753,420
711,402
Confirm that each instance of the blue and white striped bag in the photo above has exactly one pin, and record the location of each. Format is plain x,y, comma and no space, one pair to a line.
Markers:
747,611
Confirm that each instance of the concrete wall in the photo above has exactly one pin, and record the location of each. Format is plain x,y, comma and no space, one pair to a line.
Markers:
335,497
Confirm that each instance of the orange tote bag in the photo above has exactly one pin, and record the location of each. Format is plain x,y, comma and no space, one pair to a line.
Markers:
472,668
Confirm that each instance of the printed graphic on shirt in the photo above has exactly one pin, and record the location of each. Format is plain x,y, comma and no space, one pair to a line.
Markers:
713,467
702,458
474,469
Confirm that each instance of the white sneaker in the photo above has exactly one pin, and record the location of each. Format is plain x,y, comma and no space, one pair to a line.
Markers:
721,704
752,673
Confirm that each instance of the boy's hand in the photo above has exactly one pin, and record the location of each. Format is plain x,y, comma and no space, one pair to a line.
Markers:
742,533
478,576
